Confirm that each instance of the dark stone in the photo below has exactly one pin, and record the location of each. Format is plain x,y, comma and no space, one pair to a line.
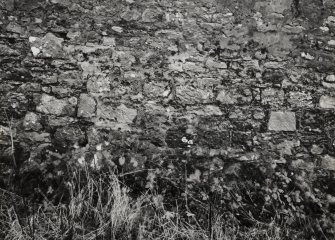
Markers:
214,139
66,137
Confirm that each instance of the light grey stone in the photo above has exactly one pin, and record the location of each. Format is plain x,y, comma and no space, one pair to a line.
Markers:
282,121
52,105
87,106
327,102
31,122
328,162
226,97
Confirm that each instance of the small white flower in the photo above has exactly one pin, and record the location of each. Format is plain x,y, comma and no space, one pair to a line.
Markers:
99,147
32,39
81,160
190,142
35,51
184,140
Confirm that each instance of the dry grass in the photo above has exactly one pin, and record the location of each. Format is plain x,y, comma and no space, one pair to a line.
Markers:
100,208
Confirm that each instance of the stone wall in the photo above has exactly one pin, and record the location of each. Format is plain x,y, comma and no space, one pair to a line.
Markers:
134,83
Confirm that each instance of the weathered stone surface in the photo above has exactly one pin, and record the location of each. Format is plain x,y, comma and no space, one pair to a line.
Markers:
273,97
328,162
121,114
282,121
52,105
34,137
90,69
212,64
109,41
191,95
227,76
49,46
87,106
32,122
300,99
57,121
156,89
71,78
225,97
7,51
327,102
14,27
98,84
69,134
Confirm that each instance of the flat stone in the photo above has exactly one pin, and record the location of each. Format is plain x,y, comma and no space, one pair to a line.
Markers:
88,48
282,121
155,89
14,28
71,78
328,162
52,105
108,41
98,84
124,114
330,78
225,97
212,64
57,121
258,115
117,29
273,97
328,85
7,51
89,69
300,99
61,91
191,95
87,106
115,118
193,67
37,137
327,102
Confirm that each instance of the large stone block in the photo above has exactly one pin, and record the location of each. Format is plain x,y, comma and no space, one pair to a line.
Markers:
328,163
327,102
87,106
59,107
282,121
